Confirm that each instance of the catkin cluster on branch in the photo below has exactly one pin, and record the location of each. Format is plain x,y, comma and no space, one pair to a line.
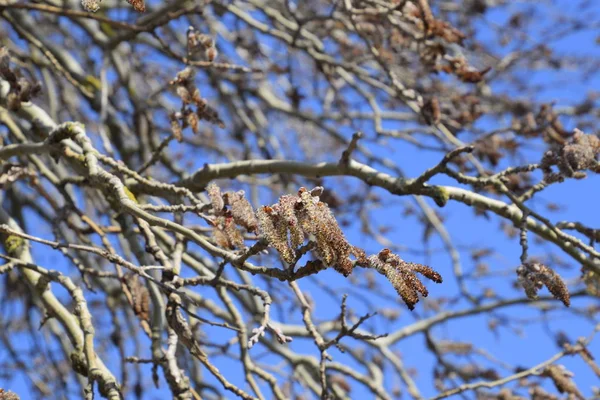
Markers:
188,92
94,5
231,211
573,158
140,296
295,219
200,42
533,276
8,395
10,173
562,380
21,89
402,275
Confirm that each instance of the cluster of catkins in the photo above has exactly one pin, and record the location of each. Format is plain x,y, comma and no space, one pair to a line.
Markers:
200,42
21,90
231,209
573,158
140,297
402,275
188,92
287,224
94,5
296,219
563,381
10,173
533,276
